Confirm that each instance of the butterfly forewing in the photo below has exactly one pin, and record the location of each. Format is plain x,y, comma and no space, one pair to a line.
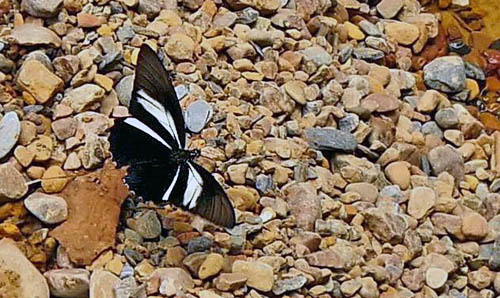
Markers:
155,95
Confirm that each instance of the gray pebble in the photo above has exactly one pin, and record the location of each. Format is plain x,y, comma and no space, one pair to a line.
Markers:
330,139
198,114
124,90
199,244
181,91
431,128
446,74
349,123
50,209
10,129
148,225
368,54
447,118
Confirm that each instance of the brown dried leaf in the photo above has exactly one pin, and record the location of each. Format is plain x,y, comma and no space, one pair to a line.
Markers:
94,203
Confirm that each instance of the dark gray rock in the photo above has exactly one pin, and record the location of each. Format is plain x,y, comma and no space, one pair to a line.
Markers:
446,74
197,115
331,139
199,244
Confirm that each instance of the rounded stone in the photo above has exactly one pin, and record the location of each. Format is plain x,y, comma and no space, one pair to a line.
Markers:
48,208
436,277
10,129
148,225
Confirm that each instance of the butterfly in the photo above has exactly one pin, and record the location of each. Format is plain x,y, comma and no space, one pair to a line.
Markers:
152,143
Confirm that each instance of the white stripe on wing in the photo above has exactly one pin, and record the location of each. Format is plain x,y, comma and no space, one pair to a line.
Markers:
144,128
166,195
153,107
193,189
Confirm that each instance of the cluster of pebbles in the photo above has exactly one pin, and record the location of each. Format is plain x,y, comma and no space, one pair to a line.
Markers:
352,176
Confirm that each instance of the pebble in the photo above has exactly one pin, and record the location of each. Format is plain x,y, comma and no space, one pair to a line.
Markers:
447,118
198,114
68,282
34,35
474,226
102,283
211,266
447,159
40,82
81,98
368,54
64,128
398,173
175,278
402,33
422,200
42,8
318,55
304,204
50,209
29,282
128,287
330,139
446,74
148,225
259,275
199,244
12,183
124,90
230,281
10,130
435,277
180,47
54,179
389,8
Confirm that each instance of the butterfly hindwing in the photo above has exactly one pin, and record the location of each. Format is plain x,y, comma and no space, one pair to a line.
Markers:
154,100
212,203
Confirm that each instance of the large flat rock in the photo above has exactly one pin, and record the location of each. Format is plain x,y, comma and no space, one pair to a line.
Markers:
18,277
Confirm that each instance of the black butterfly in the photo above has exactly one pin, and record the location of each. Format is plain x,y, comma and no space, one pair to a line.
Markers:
153,143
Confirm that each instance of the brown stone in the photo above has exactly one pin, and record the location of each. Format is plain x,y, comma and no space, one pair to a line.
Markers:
304,204
36,79
474,226
35,35
402,33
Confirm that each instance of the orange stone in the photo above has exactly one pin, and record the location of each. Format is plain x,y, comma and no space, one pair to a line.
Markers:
493,84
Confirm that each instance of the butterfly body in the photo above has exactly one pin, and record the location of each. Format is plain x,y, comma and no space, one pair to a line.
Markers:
152,143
